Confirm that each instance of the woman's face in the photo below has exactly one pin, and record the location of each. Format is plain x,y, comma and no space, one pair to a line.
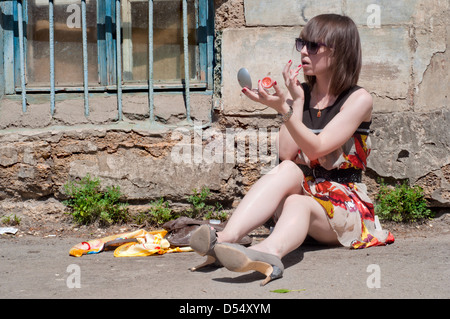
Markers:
318,64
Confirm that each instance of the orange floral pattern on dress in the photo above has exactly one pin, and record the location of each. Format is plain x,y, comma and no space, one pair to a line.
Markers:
348,199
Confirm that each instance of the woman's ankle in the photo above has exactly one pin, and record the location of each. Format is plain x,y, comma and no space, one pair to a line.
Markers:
268,250
226,237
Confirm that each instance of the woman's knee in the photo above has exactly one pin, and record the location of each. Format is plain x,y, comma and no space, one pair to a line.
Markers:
311,213
299,203
293,199
288,164
290,168
302,204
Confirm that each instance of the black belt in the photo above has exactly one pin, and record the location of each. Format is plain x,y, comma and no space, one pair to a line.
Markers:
341,176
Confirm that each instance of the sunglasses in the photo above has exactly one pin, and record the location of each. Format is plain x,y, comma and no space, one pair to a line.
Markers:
311,47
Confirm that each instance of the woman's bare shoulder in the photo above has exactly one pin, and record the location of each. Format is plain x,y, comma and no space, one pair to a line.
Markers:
362,100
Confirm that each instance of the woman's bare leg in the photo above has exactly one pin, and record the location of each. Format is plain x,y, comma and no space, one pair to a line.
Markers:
301,216
262,200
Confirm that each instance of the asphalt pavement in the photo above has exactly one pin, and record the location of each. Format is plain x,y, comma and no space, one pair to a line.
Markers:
40,267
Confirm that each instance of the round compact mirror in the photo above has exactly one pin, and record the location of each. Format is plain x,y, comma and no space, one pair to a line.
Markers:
244,79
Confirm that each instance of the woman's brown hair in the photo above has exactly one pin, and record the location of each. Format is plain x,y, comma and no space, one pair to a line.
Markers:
341,35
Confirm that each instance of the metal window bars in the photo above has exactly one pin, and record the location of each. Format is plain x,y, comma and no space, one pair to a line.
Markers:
22,63
22,55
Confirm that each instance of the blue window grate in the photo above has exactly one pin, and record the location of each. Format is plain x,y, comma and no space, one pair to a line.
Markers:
13,32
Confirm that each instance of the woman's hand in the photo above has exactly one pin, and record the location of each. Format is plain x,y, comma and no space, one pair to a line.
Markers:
279,100
275,101
292,83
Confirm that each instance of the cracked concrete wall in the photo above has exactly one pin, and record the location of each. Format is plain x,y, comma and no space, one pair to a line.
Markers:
36,164
405,68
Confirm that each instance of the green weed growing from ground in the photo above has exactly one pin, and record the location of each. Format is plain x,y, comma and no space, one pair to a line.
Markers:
200,208
160,211
402,203
90,204
11,220
158,214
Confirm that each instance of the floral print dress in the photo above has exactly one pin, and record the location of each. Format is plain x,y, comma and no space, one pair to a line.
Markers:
349,209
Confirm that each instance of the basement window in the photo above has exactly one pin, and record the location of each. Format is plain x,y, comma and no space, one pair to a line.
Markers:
168,52
101,38
67,45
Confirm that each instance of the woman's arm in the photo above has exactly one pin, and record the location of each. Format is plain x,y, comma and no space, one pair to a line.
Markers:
357,109
287,147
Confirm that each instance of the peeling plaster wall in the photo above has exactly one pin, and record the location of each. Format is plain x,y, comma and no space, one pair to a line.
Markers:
405,69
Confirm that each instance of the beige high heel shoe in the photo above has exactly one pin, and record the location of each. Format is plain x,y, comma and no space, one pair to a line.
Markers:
238,258
202,242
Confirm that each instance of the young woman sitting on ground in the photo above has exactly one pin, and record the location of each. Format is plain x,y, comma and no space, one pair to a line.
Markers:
323,143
